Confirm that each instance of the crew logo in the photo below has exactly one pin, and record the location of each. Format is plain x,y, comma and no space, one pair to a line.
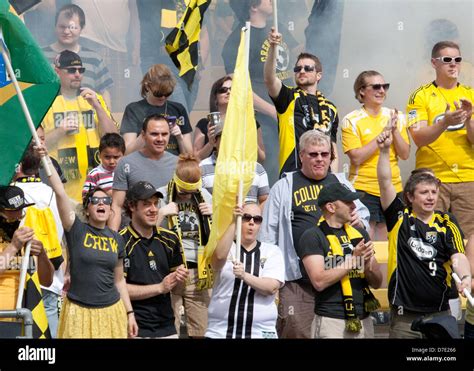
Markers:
422,250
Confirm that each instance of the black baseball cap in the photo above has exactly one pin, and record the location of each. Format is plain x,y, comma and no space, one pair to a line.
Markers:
337,192
12,198
142,191
66,59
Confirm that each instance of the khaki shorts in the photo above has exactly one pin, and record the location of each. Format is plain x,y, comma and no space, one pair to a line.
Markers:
195,303
335,328
457,199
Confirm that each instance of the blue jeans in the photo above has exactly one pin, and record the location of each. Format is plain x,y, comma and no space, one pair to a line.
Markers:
50,300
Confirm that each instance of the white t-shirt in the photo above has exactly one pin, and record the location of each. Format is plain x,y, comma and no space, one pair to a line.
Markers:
231,296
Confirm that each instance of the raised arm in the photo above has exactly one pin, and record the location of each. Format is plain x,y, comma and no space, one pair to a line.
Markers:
219,257
66,212
272,82
402,148
106,123
384,171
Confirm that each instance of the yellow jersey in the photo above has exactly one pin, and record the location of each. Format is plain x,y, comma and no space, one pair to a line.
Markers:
358,129
451,156
78,152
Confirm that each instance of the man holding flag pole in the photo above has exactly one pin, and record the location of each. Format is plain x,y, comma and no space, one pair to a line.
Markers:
27,88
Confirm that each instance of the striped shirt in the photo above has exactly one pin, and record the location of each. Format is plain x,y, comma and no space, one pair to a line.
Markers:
258,188
98,177
96,77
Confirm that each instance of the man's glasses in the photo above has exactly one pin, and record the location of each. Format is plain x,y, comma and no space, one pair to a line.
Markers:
447,60
96,200
317,154
223,89
257,219
73,70
161,95
385,86
305,67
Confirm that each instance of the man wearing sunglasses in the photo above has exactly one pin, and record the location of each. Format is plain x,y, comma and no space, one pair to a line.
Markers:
291,209
75,123
299,109
441,122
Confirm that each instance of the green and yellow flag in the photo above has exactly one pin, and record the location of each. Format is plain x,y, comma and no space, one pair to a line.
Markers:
182,42
38,82
237,152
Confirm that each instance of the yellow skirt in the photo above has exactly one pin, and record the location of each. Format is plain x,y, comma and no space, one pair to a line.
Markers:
78,322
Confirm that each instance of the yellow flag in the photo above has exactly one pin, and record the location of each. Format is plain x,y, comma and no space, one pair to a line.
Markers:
237,151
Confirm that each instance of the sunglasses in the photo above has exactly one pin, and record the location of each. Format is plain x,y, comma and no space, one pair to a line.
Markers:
385,86
96,200
224,89
160,95
317,154
449,59
257,219
73,70
305,67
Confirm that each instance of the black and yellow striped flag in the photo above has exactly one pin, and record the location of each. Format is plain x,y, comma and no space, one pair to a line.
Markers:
182,42
33,300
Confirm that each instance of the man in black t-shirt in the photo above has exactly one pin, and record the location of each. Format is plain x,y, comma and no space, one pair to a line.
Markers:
290,210
340,263
152,264
425,245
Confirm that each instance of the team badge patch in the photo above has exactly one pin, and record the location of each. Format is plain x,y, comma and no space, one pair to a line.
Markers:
432,237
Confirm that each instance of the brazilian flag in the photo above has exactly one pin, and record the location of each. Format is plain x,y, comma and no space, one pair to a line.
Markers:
38,82
182,42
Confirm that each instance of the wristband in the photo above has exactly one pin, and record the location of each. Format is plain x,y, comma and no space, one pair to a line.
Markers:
465,276
130,312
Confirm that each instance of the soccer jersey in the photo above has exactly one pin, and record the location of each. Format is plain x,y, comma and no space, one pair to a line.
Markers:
451,156
148,262
236,310
77,153
358,129
419,268
297,113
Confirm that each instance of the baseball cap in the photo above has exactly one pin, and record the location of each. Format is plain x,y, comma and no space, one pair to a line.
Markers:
337,192
12,198
142,191
66,59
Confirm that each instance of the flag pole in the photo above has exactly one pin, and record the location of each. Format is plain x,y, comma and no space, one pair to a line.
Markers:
238,239
24,266
275,15
24,107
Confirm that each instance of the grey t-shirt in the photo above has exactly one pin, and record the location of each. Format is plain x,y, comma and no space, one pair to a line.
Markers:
93,255
136,167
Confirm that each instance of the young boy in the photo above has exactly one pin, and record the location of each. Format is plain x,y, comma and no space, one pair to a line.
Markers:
111,150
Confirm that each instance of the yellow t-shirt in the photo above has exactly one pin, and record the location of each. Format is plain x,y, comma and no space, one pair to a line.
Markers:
76,153
451,156
358,129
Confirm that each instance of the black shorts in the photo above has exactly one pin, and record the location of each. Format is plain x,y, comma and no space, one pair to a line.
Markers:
375,207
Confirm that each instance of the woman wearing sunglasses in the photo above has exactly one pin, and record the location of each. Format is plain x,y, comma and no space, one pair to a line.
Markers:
204,133
360,130
185,199
243,298
156,87
97,303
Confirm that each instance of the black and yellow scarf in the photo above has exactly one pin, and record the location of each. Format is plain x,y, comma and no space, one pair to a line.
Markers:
325,109
353,323
205,274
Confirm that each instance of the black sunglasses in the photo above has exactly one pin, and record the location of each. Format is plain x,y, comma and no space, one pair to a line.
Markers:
316,154
160,95
73,70
447,60
385,86
224,89
257,219
305,67
96,200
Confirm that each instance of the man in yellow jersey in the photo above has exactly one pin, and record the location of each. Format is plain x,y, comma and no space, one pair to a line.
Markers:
441,122
74,124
